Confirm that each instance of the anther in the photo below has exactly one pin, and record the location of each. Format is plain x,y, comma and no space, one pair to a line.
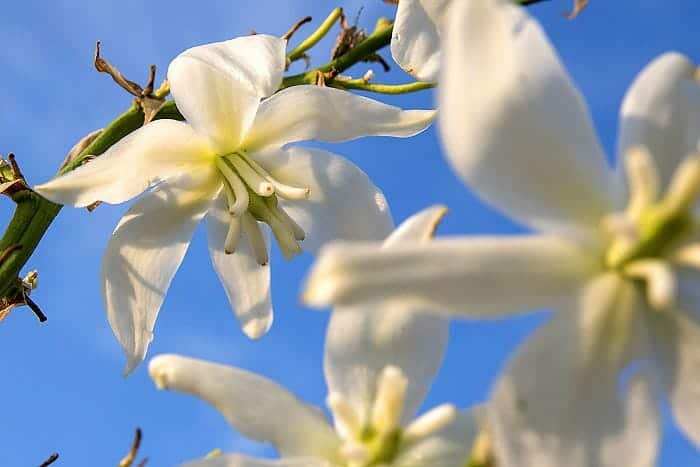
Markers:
256,238
233,235
660,281
688,256
684,186
429,423
239,191
283,190
643,177
253,179
389,401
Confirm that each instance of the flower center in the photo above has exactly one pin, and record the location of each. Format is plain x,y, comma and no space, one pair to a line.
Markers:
649,235
376,438
252,196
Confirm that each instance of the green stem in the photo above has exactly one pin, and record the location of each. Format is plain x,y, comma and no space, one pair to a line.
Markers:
316,36
363,85
377,40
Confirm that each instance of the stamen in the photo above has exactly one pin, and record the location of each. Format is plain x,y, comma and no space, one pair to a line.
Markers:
643,177
240,192
389,401
253,179
685,186
299,233
255,237
284,235
429,423
660,281
233,235
688,256
344,414
284,191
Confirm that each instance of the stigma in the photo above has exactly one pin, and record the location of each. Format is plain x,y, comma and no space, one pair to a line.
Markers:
252,197
656,229
375,436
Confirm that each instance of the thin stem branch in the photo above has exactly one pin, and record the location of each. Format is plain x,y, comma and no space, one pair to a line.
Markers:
362,85
316,36
375,41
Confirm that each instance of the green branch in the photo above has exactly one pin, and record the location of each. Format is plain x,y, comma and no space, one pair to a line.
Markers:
316,36
374,42
362,85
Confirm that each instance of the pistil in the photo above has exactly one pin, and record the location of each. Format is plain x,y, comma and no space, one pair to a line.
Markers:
251,193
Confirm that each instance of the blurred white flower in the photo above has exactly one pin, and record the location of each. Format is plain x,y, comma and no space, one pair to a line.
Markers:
379,363
415,44
230,163
616,252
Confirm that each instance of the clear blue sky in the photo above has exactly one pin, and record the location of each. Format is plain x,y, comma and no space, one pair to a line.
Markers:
61,384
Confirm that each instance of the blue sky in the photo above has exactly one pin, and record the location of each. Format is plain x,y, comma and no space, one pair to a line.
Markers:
62,388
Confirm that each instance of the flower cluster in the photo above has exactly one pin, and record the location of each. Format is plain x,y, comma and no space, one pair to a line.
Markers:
613,251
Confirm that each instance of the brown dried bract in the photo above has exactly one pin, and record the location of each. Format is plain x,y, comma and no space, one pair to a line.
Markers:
350,37
579,5
149,102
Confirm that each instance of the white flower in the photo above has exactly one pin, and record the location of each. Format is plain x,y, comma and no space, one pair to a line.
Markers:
230,163
615,252
379,364
415,44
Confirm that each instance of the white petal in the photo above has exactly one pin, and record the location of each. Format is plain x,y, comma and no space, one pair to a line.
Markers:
516,128
476,277
558,402
447,448
343,202
161,149
247,283
418,228
237,460
303,113
415,44
362,340
662,112
677,356
146,249
217,87
257,407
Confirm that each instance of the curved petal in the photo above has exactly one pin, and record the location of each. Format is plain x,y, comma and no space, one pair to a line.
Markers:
237,460
159,150
343,202
217,87
303,113
447,448
251,404
146,249
515,127
558,402
247,283
362,340
415,44
475,276
676,341
662,112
